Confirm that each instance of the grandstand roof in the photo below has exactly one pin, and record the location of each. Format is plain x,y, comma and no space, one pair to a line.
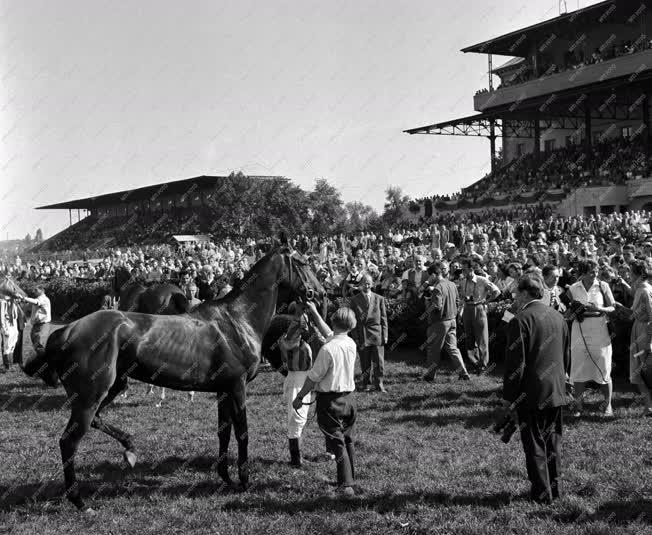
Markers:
146,192
516,43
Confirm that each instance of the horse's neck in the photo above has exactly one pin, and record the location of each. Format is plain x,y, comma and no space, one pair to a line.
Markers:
259,292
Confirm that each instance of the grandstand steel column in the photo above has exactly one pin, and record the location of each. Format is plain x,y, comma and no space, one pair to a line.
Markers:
537,136
587,129
646,122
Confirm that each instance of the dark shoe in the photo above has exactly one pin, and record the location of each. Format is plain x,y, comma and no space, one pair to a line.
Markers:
295,452
464,377
429,378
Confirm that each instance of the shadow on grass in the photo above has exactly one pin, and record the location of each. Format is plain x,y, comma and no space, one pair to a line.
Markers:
15,496
482,419
45,401
9,387
383,503
637,510
445,398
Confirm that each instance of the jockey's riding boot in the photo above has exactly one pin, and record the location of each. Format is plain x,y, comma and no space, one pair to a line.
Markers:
295,452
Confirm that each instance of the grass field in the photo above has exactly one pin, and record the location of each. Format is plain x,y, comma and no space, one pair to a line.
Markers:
426,463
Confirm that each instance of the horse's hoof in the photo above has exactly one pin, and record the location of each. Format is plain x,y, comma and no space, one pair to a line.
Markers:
130,457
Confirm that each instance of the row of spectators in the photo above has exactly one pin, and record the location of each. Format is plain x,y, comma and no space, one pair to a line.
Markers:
614,161
518,237
573,60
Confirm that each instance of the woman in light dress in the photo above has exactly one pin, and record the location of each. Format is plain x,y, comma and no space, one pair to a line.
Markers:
640,355
590,341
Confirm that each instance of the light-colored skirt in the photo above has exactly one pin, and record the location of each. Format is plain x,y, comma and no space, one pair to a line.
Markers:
591,351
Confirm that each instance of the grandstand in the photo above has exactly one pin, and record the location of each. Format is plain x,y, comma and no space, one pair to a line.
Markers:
150,214
572,112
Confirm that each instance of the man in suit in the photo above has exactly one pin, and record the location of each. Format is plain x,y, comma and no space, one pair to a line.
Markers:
537,361
370,334
441,307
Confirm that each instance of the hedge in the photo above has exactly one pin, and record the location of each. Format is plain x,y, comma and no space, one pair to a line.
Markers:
71,299
74,298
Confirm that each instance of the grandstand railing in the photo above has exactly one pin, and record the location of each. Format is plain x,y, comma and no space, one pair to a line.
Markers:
631,64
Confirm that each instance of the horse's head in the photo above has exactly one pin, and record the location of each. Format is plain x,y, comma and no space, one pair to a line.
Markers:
300,279
9,287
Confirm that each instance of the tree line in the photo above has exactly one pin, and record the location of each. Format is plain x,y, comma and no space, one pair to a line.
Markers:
243,205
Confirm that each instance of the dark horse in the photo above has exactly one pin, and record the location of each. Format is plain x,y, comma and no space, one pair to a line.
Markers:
162,298
215,348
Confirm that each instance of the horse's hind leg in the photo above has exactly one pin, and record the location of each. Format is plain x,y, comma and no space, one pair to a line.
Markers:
124,438
241,434
79,423
224,435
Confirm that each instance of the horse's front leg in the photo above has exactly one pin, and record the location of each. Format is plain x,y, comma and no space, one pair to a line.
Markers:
241,433
224,435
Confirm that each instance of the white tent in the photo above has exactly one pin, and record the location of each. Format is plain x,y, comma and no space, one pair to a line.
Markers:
186,238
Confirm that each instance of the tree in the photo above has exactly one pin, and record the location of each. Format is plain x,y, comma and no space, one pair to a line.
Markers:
395,205
327,210
28,238
39,235
243,206
359,215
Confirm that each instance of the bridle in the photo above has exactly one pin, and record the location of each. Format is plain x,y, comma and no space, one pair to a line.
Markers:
302,277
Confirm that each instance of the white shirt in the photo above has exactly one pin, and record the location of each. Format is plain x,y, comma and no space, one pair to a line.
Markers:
595,294
155,275
334,368
41,312
420,275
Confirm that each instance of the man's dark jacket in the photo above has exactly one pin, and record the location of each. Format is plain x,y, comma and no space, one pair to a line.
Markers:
537,358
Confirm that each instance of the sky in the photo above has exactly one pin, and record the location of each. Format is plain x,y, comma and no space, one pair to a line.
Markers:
99,96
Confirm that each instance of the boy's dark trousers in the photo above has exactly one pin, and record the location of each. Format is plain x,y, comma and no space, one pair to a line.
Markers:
336,415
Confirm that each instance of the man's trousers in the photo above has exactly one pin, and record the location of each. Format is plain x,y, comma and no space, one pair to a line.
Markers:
443,335
476,334
372,364
541,438
39,336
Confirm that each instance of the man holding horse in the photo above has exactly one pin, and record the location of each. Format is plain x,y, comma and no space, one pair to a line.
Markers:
333,379
41,318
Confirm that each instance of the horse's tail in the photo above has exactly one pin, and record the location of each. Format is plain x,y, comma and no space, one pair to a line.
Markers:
44,364
181,303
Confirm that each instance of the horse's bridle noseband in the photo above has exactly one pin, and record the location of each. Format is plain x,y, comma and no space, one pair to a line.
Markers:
302,278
